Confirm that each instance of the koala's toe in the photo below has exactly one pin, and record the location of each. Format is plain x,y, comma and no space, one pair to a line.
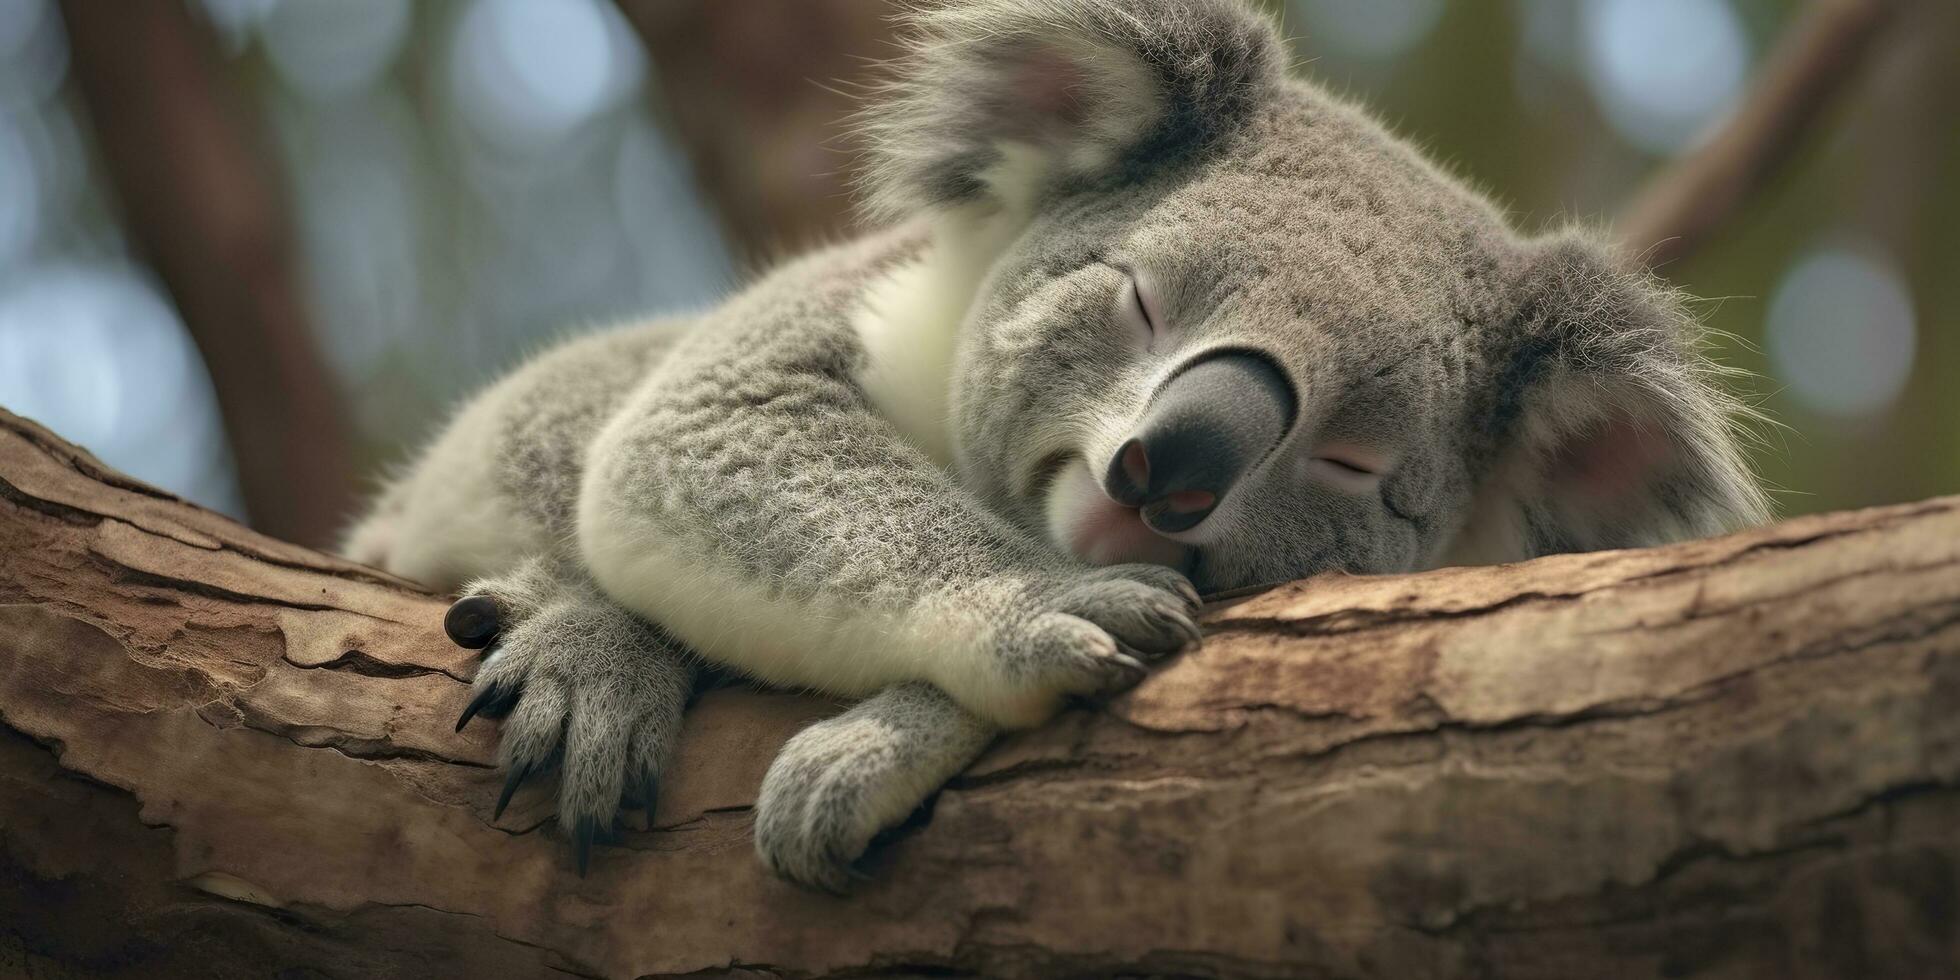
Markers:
593,781
1156,576
1147,620
473,621
1090,660
534,732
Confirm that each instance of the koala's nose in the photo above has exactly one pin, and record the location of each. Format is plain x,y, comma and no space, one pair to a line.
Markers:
1199,435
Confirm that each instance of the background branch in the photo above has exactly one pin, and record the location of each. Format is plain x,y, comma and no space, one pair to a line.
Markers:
208,215
1692,198
758,93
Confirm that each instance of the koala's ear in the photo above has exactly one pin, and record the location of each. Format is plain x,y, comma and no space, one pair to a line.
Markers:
1610,428
1005,98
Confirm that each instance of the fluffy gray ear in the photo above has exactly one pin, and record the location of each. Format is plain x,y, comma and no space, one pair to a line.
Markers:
1006,98
1611,432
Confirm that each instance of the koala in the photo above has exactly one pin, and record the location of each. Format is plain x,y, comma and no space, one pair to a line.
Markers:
1142,318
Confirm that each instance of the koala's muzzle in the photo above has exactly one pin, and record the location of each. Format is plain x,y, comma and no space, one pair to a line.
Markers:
1201,432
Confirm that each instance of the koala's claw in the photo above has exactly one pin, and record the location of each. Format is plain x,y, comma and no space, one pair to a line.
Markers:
493,701
645,796
584,829
511,782
473,622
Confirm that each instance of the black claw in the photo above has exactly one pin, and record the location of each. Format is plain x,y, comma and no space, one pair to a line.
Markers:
494,701
511,782
482,700
473,621
649,795
582,833
476,704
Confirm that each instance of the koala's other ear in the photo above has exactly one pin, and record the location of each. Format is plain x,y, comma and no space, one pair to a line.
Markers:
1614,434
1004,98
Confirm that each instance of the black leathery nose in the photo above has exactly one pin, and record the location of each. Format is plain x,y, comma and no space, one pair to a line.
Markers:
1201,432
473,621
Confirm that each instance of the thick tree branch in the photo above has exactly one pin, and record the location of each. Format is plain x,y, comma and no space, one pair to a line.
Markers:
1694,197
224,755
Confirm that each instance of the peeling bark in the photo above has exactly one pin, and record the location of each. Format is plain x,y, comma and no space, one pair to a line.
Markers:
222,755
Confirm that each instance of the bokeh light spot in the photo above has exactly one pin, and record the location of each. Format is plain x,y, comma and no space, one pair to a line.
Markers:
1841,332
525,74
1663,70
97,354
20,192
326,49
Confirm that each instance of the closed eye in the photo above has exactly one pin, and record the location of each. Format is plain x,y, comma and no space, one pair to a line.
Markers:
1347,465
1141,312
1352,468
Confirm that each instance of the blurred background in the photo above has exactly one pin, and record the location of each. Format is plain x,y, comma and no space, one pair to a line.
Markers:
252,250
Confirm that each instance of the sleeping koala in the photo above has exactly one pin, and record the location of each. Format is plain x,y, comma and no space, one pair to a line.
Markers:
1147,319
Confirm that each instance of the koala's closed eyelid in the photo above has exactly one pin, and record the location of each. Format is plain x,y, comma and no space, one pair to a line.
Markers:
1350,466
1138,308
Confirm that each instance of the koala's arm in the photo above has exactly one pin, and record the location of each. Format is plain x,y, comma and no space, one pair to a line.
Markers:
748,498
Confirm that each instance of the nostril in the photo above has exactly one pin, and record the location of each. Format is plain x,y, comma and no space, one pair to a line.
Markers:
1128,479
1190,501
1168,517
1136,465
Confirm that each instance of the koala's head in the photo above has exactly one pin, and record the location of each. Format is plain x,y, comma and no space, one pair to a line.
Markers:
1239,328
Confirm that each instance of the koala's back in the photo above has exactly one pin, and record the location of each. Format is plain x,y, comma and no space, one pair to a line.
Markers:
501,481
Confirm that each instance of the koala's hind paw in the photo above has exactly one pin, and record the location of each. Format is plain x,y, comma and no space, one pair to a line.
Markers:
820,807
585,689
842,780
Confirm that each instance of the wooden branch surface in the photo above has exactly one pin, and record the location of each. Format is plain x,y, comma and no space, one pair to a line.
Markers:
225,756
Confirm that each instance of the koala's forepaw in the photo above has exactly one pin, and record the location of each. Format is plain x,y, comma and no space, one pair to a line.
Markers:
584,689
1104,628
1151,611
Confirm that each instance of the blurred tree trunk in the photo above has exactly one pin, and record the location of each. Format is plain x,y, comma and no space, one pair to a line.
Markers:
760,95
223,755
209,216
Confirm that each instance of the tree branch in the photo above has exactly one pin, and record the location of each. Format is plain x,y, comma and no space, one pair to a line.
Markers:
224,755
1692,198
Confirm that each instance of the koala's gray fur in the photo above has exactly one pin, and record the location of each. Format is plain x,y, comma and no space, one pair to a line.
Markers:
857,475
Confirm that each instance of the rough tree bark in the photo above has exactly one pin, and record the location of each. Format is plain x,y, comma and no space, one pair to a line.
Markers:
222,755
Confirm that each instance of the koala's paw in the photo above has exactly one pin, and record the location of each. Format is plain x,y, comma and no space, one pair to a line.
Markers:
1098,632
584,689
830,791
